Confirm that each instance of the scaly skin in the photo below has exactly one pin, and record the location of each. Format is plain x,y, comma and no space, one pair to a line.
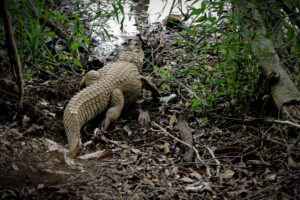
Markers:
118,85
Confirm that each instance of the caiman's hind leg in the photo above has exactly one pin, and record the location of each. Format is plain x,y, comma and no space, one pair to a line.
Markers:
147,84
115,108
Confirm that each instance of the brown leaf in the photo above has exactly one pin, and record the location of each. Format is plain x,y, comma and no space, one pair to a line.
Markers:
196,175
173,120
187,180
166,147
292,164
228,174
15,167
136,151
98,154
128,130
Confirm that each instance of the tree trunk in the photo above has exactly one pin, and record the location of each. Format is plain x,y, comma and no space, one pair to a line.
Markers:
12,50
284,92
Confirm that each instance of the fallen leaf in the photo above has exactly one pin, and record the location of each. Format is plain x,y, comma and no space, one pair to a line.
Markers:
292,164
136,151
128,130
228,174
53,146
25,120
187,180
40,186
166,147
43,103
175,170
198,187
15,167
173,120
271,177
101,154
196,175
52,114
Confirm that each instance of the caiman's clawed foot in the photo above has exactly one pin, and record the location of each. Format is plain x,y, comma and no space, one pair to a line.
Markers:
104,124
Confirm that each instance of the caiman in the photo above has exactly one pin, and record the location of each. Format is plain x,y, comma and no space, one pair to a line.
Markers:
109,89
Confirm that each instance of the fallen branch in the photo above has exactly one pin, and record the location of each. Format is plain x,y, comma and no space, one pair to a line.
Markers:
215,159
182,142
286,122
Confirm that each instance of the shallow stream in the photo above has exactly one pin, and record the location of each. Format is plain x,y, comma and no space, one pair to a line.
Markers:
139,17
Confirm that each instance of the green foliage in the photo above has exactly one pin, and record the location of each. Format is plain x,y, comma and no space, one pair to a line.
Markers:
221,73
41,46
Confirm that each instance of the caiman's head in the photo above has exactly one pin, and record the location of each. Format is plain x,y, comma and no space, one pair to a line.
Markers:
89,78
133,54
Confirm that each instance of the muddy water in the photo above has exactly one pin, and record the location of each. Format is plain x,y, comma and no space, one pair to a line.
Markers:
139,15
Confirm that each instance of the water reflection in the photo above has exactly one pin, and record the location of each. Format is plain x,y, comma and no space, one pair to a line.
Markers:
138,15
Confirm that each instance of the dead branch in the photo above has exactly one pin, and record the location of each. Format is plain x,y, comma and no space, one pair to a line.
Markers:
12,50
286,122
186,136
215,159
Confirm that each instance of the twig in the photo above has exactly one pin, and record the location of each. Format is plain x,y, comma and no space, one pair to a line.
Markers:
267,188
182,142
11,94
286,122
215,159
49,73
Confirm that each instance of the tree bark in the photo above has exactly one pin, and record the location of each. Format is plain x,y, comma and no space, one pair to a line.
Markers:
12,50
284,92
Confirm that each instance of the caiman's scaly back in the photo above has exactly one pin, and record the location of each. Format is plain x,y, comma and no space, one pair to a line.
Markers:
119,84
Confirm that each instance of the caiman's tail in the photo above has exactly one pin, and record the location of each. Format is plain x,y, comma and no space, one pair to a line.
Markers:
72,127
84,106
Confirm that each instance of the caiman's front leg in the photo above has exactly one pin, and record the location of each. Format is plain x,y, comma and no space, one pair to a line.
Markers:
115,108
150,86
92,77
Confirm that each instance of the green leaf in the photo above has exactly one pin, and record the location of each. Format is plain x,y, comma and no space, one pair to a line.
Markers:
85,40
49,68
198,11
77,62
74,46
290,34
62,56
120,5
116,12
201,19
195,103
106,33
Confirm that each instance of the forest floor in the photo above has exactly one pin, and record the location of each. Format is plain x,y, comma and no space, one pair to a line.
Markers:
247,158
